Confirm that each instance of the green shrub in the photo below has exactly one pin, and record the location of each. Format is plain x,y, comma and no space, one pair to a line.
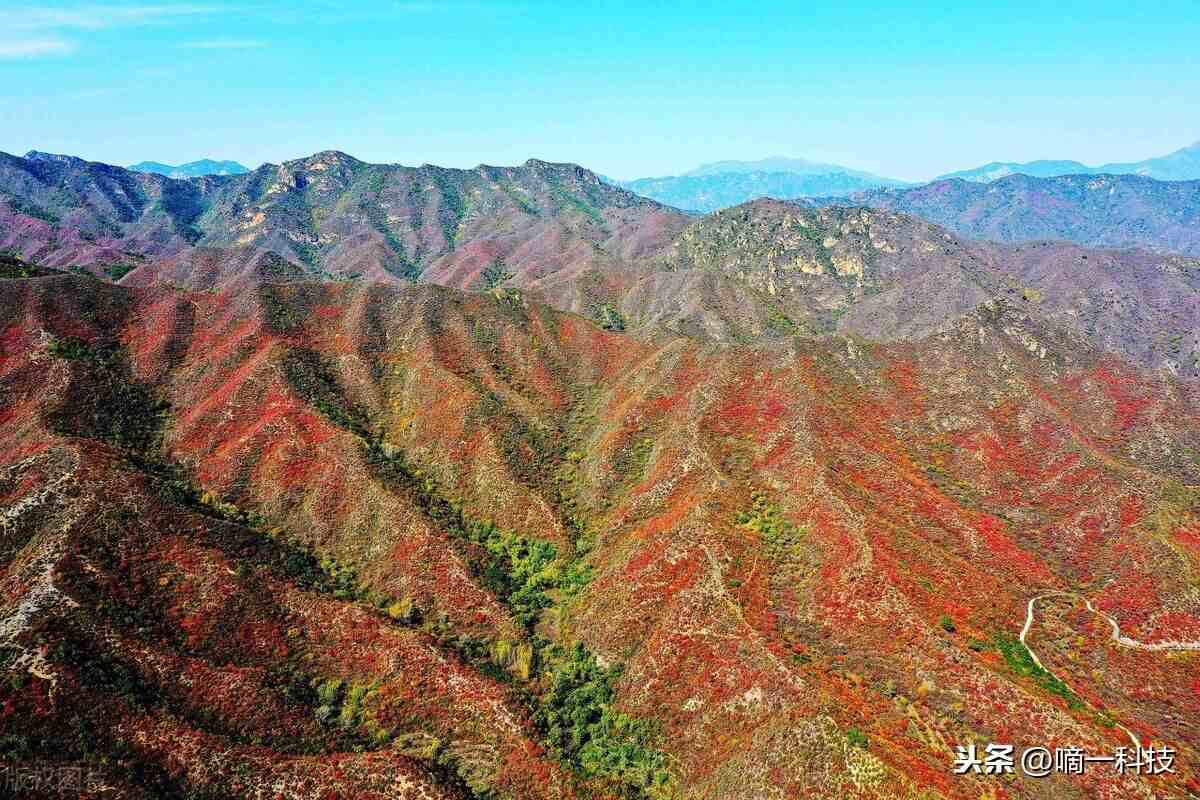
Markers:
118,271
764,518
1016,655
584,729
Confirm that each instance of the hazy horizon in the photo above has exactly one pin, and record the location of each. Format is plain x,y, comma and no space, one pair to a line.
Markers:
627,91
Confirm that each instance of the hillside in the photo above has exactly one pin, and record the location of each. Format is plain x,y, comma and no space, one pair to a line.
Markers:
1099,211
411,542
773,270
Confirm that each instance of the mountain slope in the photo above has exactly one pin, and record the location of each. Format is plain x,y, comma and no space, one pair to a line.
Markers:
776,270
465,228
61,210
1098,211
331,214
246,545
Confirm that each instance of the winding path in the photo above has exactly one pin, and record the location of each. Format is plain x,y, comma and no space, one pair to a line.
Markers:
1123,641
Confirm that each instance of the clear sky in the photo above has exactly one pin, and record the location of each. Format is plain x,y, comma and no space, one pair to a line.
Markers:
629,89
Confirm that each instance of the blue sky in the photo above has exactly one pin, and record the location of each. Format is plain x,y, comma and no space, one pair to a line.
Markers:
909,90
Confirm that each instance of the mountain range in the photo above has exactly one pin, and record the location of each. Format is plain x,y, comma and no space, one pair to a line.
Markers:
727,183
350,479
1181,165
1121,211
792,166
763,269
723,184
192,169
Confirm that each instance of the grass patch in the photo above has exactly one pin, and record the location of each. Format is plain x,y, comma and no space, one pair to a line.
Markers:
118,271
11,266
1017,657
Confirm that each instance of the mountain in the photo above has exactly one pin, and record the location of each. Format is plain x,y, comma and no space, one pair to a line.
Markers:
728,183
1182,165
404,482
764,270
775,270
712,192
192,169
1099,211
385,540
1002,169
331,215
792,166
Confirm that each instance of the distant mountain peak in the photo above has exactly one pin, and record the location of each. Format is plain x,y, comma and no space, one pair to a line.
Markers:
769,164
782,164
1097,209
332,155
192,169
723,184
38,155
1180,165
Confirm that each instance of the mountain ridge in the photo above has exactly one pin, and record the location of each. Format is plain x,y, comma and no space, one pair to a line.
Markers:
1121,211
1182,164
331,212
723,184
763,270
191,169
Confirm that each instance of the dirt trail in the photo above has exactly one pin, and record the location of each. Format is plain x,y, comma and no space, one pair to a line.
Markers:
1123,641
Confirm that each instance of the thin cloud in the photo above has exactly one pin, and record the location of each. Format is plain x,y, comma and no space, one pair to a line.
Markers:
35,48
225,44
44,31
95,17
